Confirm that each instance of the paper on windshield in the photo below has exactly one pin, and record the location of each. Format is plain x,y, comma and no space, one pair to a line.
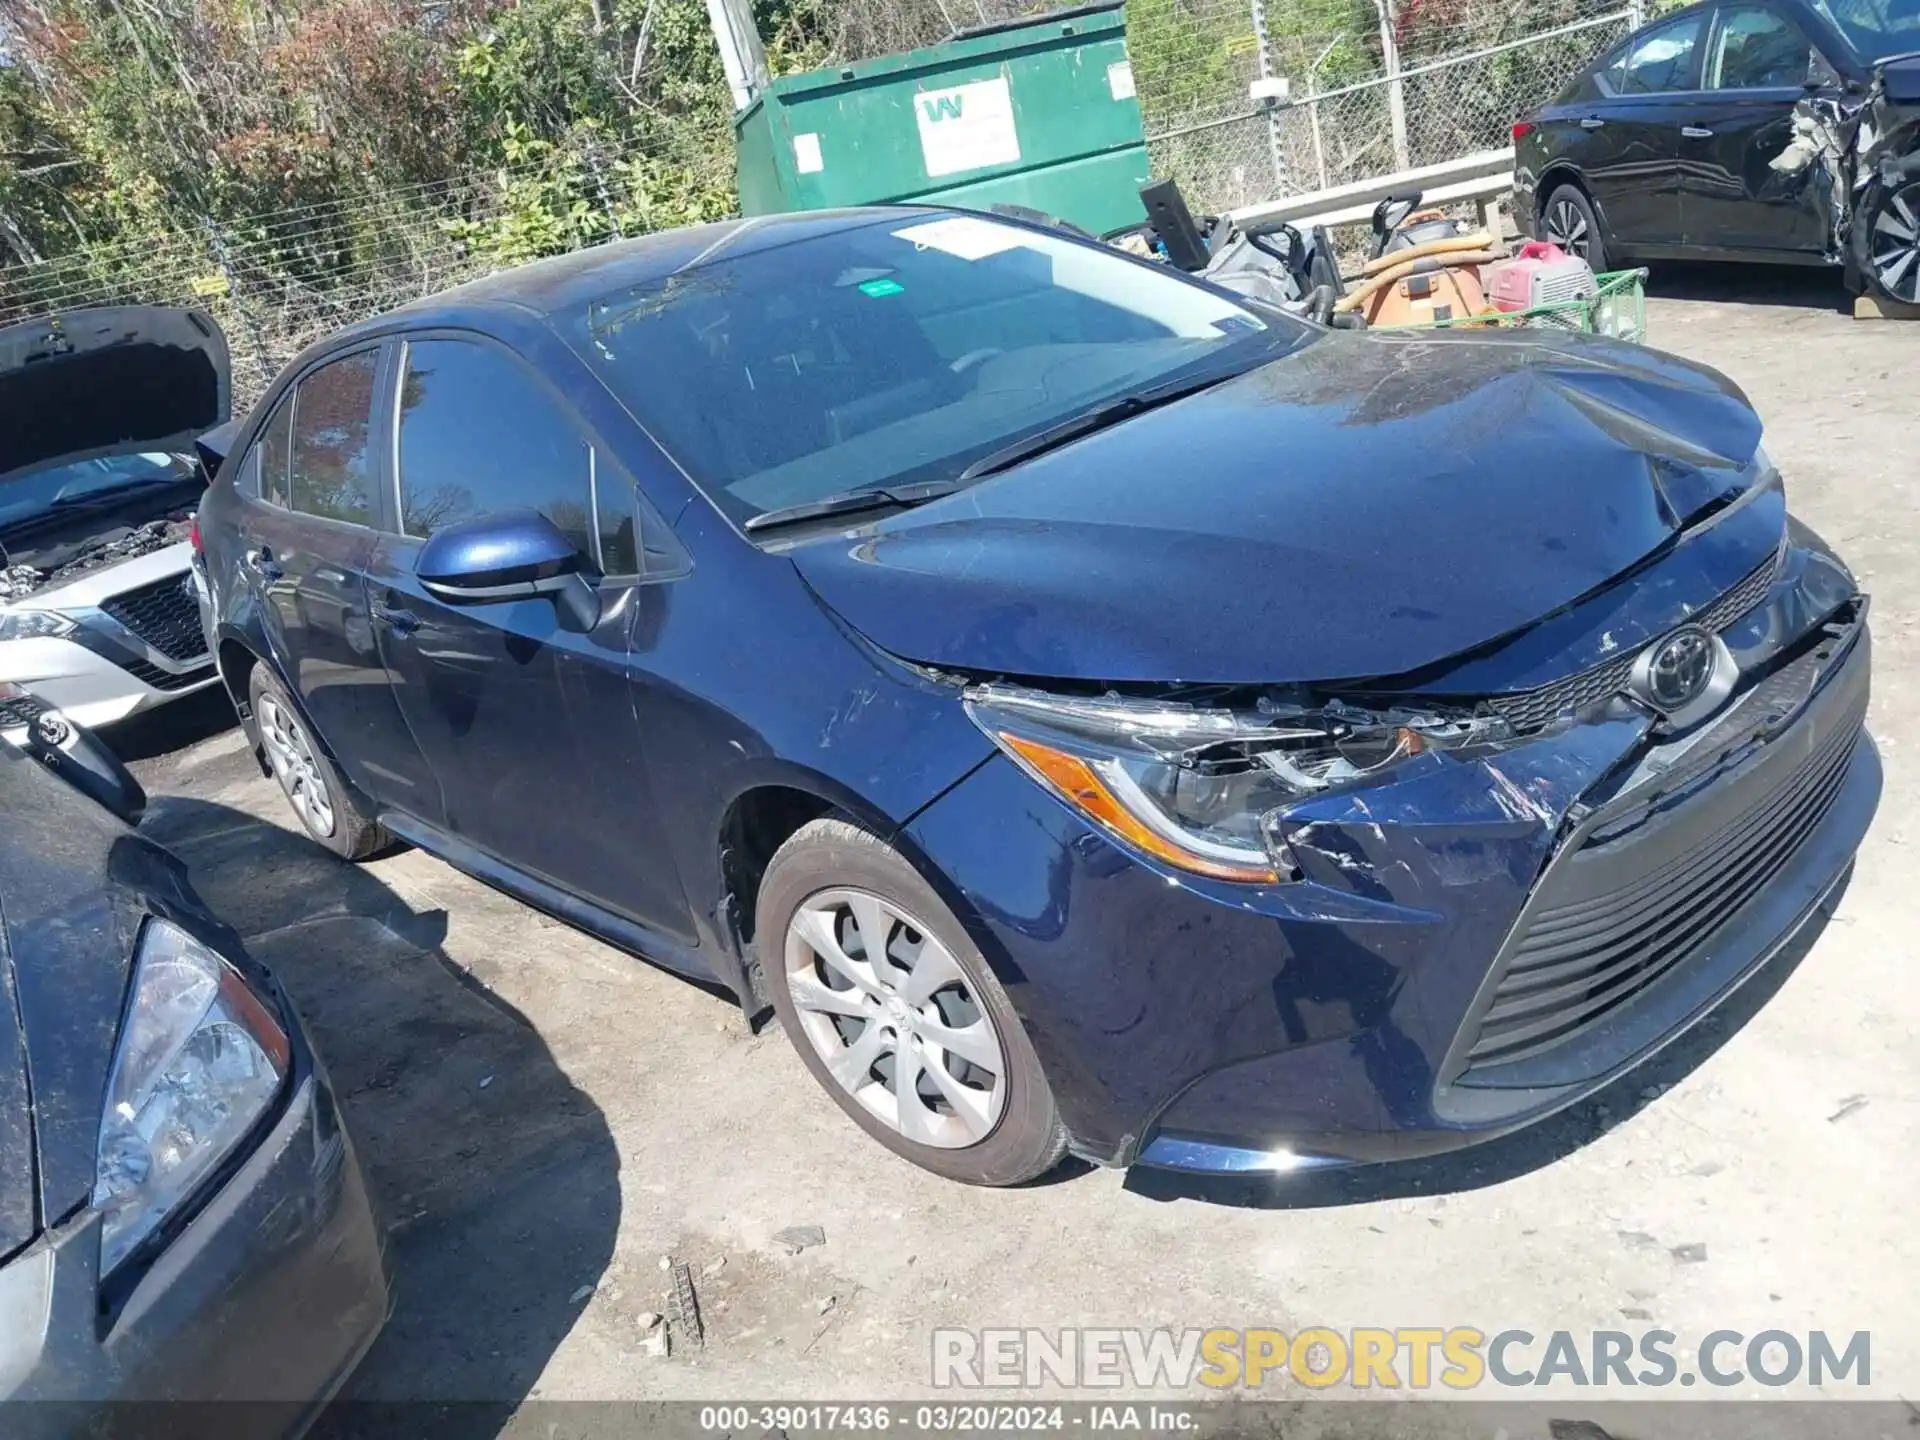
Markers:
963,236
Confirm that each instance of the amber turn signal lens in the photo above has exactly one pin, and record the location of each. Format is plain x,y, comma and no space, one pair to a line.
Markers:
1074,779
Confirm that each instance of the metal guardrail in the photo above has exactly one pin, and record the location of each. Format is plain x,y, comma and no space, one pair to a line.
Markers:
1484,176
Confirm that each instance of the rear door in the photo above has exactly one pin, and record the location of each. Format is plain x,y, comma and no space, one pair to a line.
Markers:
1632,123
1745,183
309,507
530,728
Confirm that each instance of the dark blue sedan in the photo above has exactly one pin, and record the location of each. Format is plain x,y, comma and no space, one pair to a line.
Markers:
1098,714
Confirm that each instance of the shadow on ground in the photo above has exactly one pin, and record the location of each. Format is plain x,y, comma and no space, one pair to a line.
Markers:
1806,287
173,726
1511,1156
497,1178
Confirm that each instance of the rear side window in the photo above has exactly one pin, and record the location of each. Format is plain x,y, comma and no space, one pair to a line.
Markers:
1660,60
332,420
478,437
1756,49
273,450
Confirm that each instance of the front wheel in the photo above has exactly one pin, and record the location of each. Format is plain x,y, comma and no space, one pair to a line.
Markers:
1569,221
895,1012
1889,229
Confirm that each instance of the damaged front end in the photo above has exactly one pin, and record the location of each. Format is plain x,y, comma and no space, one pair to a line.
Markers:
1343,928
1861,148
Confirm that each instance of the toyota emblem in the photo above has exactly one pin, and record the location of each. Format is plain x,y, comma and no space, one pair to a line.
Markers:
1684,675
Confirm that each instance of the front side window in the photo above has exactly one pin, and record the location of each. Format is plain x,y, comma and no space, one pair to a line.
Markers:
330,475
478,437
1756,49
1659,61
780,370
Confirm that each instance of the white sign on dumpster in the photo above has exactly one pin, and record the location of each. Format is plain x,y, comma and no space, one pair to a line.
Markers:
967,127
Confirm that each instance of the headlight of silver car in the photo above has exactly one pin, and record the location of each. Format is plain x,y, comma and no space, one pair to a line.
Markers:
33,624
1199,788
200,1059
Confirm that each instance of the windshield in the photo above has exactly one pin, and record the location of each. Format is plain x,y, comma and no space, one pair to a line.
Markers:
27,497
897,351
1875,28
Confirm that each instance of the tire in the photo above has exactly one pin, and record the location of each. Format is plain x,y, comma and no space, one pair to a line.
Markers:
328,808
960,1118
1568,219
1886,232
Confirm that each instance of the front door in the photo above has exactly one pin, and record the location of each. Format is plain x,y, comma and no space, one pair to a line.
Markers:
529,727
1631,154
309,511
1747,182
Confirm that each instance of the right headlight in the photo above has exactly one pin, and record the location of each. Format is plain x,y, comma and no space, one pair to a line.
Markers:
200,1059
1203,789
33,624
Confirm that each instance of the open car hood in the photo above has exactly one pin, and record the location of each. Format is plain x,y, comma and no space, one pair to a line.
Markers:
1366,506
87,383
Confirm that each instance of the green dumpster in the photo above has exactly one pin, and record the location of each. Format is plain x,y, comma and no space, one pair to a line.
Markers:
1037,112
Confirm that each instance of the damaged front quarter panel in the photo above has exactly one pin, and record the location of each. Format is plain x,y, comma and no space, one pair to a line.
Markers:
1859,147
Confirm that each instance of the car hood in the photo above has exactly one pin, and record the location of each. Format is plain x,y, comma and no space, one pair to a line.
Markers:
1369,505
86,383
75,885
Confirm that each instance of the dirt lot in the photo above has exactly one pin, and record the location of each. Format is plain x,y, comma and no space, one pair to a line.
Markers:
545,1118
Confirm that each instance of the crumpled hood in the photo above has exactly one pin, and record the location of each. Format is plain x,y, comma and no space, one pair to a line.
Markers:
1364,507
86,383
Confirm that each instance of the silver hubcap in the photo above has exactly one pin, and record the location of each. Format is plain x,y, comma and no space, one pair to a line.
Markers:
293,766
894,1018
1567,228
1895,244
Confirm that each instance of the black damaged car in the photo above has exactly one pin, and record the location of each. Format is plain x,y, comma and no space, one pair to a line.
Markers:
182,1217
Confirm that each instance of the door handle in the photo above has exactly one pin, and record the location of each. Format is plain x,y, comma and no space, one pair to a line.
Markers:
1592,122
402,622
1696,132
261,562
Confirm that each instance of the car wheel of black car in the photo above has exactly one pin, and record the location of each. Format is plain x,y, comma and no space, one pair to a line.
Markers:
895,1012
1888,232
327,806
1568,220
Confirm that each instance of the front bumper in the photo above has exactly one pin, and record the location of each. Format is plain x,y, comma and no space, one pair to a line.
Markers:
1345,1018
95,676
270,1295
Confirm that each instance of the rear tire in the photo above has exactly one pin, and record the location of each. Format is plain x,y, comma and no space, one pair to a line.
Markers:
1569,221
328,808
920,1047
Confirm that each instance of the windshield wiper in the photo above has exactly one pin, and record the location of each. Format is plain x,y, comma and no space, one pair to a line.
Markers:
851,502
1109,412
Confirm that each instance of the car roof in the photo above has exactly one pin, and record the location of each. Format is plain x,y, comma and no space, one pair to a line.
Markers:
545,286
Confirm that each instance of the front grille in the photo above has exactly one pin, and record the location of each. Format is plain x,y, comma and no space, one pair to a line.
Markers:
147,673
1529,710
20,711
1574,962
165,615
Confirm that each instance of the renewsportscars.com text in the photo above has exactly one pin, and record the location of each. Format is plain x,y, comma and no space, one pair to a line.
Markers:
1456,1358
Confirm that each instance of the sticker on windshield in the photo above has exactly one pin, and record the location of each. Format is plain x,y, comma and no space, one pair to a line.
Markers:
963,236
878,288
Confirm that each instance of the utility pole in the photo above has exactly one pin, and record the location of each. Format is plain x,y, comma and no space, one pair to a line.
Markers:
742,55
1264,58
1396,94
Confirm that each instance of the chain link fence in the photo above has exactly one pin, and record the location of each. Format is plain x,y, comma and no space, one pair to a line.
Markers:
1361,103
280,280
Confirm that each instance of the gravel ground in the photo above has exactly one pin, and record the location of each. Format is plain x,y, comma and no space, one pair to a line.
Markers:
545,1118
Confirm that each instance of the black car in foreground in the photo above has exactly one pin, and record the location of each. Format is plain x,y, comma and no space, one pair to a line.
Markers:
1784,131
181,1214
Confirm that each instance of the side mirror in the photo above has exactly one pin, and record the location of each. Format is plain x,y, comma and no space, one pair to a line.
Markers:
78,757
519,555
